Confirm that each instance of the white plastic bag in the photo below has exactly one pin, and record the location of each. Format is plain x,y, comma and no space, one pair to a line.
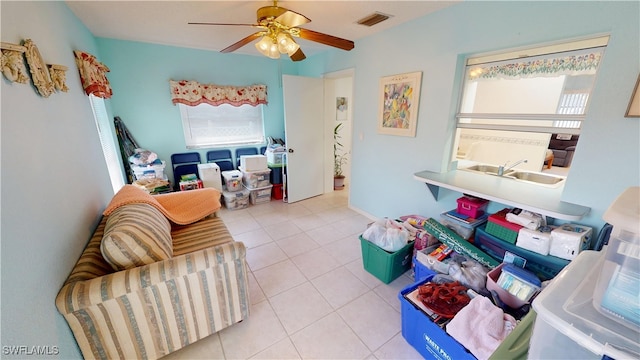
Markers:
387,234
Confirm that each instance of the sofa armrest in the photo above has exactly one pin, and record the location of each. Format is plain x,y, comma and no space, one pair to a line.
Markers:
153,310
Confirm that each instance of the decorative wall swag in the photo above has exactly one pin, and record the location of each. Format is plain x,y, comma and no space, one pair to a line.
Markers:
93,75
58,76
13,67
193,93
38,69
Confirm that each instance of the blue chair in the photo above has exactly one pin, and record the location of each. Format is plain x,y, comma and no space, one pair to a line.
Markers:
183,164
245,151
263,150
222,158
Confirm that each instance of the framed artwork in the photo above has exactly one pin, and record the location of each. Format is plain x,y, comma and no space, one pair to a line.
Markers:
633,110
399,100
342,107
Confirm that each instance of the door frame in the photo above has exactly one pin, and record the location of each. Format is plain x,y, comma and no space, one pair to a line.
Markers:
330,106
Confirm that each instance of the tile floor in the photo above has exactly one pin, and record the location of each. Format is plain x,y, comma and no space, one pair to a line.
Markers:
310,295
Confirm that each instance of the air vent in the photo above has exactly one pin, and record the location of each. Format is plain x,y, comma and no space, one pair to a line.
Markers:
373,19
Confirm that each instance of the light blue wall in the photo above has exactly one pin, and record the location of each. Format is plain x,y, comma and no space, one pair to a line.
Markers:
140,75
54,180
608,156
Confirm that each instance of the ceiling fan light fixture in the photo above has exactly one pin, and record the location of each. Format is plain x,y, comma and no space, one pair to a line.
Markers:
268,47
286,44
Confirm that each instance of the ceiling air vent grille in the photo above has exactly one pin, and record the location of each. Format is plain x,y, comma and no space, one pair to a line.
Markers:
373,19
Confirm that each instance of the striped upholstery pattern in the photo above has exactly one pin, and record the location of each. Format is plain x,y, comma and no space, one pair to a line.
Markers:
152,310
136,235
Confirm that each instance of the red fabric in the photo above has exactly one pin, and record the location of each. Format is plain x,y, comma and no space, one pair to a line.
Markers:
93,75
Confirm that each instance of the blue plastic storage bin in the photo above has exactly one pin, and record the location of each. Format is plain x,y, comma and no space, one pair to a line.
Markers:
421,272
431,341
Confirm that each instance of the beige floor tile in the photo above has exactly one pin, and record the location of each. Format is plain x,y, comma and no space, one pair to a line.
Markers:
345,250
254,238
309,222
297,244
298,307
339,287
255,292
279,277
372,319
315,263
264,255
242,225
282,350
397,348
389,292
282,230
358,270
329,338
326,234
260,331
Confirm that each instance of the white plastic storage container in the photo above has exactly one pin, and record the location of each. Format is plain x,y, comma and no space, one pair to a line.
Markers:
210,175
260,195
253,162
617,294
232,180
234,200
255,179
568,240
275,158
154,170
569,327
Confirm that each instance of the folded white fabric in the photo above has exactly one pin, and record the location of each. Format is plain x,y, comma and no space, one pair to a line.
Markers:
527,219
481,326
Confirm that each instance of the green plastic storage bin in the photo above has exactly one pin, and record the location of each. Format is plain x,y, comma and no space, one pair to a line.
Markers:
384,265
502,232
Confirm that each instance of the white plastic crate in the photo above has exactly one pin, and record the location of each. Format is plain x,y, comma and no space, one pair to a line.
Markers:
260,195
255,179
234,200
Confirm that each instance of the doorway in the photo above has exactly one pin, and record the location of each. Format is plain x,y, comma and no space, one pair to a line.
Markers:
339,114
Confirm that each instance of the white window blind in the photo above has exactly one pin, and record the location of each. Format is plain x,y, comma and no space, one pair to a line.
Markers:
206,126
109,148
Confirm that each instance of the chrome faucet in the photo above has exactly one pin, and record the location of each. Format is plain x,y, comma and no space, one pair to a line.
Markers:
501,168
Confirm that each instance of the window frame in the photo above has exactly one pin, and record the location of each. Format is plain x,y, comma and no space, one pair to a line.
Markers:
109,148
573,121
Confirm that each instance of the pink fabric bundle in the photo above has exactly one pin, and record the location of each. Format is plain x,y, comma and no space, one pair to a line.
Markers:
481,326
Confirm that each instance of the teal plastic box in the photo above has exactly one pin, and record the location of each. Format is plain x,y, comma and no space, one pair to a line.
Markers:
384,265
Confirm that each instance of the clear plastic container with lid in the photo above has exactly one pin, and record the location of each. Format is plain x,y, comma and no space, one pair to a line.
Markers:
617,292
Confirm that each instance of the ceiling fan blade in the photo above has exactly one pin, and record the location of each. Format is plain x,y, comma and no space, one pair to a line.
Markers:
242,42
298,55
208,23
330,40
292,19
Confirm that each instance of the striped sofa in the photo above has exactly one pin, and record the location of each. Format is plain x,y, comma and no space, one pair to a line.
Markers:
148,311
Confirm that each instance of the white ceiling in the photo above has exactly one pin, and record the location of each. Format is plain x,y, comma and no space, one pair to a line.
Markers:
165,22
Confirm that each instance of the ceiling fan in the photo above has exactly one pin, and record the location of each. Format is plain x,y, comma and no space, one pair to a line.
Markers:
278,28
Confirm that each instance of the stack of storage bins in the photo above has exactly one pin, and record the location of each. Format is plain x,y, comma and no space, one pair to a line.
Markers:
276,161
590,311
235,196
255,177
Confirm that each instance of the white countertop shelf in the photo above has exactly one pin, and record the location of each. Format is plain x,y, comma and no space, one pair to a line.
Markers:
536,198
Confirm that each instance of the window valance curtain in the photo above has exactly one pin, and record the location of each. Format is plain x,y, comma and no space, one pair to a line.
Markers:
93,75
193,93
576,64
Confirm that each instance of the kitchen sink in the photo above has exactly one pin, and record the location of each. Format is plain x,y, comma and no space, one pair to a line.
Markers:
537,178
518,175
487,169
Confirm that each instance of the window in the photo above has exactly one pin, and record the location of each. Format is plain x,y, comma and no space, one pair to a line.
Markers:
205,125
511,102
109,148
544,89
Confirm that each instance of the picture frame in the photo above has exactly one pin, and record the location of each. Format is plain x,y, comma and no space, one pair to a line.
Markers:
633,110
342,108
399,103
